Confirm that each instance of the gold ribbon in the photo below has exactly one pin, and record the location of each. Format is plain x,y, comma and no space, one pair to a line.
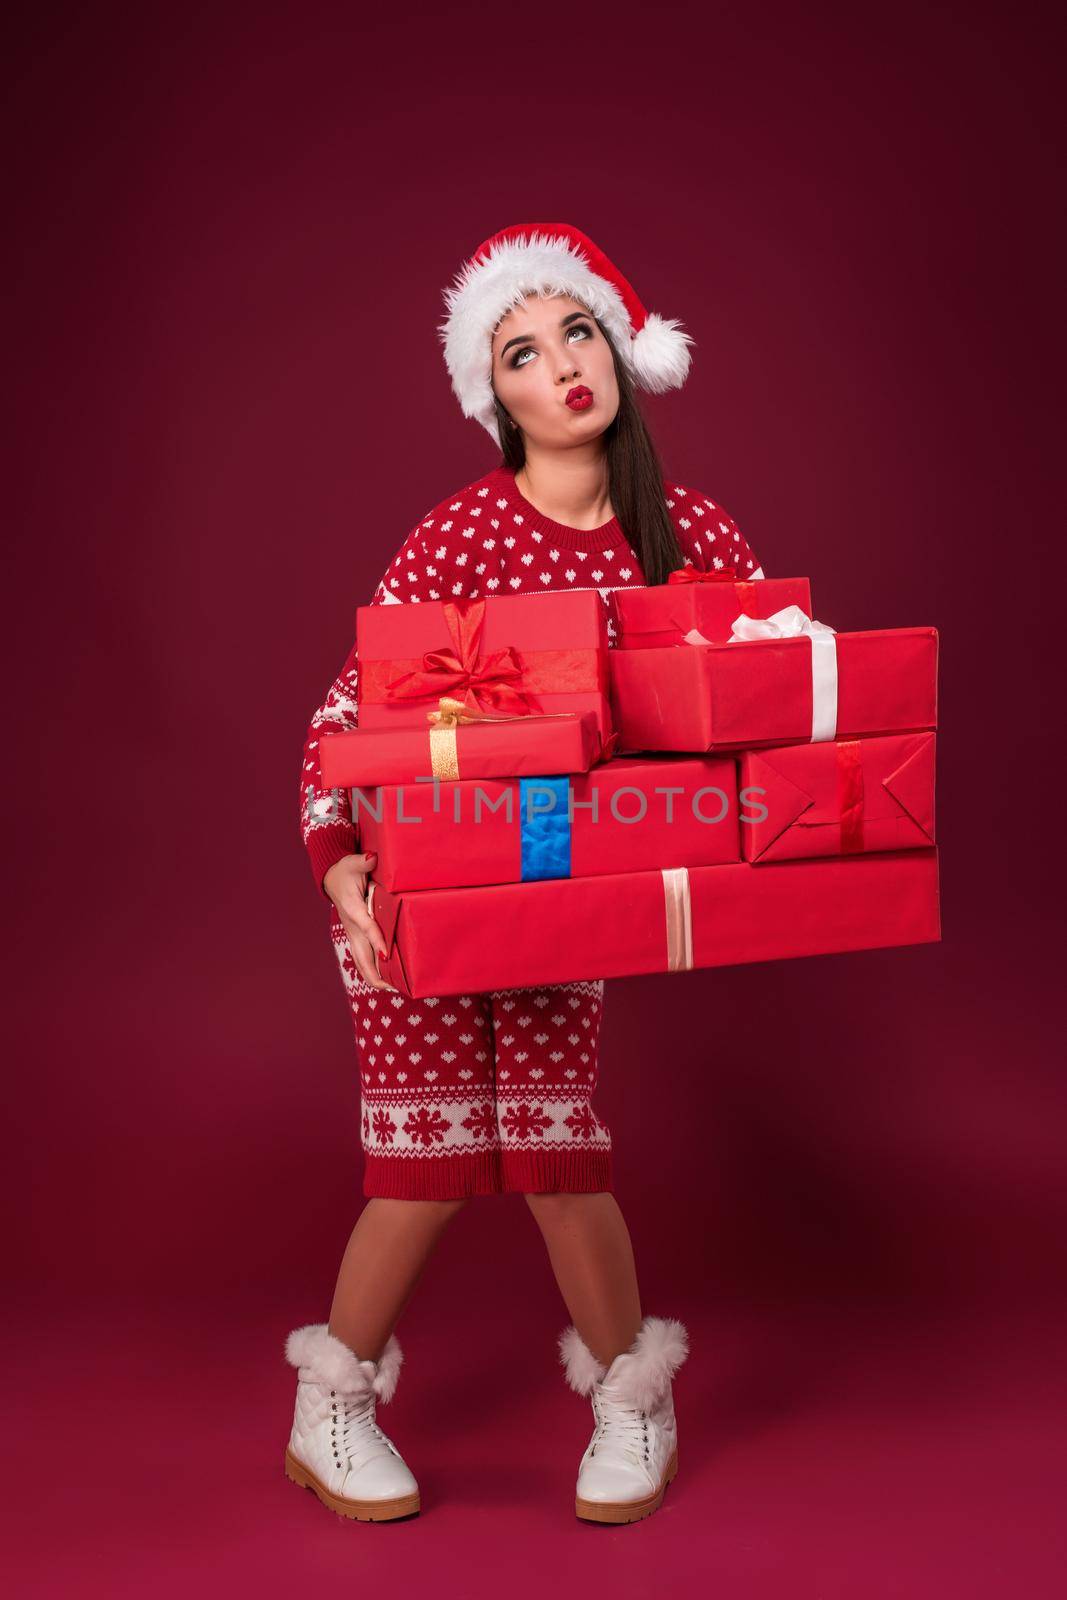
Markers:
444,754
679,910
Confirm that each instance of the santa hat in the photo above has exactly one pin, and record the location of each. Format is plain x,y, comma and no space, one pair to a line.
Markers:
550,258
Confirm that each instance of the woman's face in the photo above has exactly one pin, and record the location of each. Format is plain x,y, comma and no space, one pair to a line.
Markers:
543,349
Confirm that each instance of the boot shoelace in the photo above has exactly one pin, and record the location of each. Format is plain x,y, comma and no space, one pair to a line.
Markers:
621,1430
354,1433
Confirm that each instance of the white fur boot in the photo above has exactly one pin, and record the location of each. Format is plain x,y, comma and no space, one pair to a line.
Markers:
633,1454
336,1448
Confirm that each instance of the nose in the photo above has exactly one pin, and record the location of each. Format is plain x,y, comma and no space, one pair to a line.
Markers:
568,368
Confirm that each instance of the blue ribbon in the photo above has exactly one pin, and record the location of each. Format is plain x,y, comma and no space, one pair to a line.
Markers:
545,833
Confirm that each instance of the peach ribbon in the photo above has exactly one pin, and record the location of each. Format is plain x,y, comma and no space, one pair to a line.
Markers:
678,907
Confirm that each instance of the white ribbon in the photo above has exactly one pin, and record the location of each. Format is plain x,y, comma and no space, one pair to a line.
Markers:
790,623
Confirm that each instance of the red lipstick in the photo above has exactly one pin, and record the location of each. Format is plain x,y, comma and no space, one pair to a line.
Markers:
579,398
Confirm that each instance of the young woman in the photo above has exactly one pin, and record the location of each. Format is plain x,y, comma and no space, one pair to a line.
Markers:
492,1093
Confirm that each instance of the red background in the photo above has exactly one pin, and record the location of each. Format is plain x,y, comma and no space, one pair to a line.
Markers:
228,406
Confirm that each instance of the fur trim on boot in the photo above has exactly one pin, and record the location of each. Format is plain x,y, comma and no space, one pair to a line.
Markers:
324,1359
642,1373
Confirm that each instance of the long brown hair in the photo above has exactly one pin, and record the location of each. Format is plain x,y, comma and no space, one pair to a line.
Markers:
635,477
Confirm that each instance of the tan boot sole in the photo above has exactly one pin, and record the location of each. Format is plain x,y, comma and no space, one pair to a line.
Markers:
626,1510
358,1510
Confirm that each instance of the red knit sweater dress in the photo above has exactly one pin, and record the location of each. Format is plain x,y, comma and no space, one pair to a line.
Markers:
486,1093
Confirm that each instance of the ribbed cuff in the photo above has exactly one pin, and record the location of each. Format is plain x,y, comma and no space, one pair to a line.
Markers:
556,1171
454,1177
325,846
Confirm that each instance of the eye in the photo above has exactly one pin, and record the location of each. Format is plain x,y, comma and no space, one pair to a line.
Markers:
527,350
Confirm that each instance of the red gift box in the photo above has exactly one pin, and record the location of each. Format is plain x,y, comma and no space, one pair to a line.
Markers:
758,692
707,601
471,833
505,654
523,935
838,798
486,748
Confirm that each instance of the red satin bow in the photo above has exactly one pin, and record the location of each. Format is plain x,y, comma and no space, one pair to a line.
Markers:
716,575
485,682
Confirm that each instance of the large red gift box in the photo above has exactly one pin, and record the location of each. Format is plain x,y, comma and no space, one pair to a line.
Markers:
523,935
504,654
838,798
567,741
647,618
756,692
620,819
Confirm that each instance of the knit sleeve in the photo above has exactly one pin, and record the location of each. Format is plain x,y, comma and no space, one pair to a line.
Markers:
326,814
417,572
738,550
717,541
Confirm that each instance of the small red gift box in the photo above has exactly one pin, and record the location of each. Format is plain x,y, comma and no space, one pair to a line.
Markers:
523,935
839,798
505,654
629,815
771,691
707,601
485,748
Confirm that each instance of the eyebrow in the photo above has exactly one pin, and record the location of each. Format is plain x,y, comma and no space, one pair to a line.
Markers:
525,338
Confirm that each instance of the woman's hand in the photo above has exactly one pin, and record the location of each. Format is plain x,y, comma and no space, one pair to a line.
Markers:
346,885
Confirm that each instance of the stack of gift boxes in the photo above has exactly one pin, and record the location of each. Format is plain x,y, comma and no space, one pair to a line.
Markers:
733,781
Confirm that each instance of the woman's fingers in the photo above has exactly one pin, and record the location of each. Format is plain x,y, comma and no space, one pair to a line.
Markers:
346,881
347,885
362,919
363,952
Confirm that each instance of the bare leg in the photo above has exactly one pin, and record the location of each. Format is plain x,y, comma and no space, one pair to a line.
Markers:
592,1257
390,1245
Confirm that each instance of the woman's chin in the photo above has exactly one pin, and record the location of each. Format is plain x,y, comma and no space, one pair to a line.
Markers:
583,428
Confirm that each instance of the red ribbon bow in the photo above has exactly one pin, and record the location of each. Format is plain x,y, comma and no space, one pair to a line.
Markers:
716,575
485,682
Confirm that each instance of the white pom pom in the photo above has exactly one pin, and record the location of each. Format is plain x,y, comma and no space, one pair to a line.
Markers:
660,354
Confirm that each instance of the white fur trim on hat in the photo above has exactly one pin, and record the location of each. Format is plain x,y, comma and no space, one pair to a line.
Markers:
505,271
643,1371
325,1359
